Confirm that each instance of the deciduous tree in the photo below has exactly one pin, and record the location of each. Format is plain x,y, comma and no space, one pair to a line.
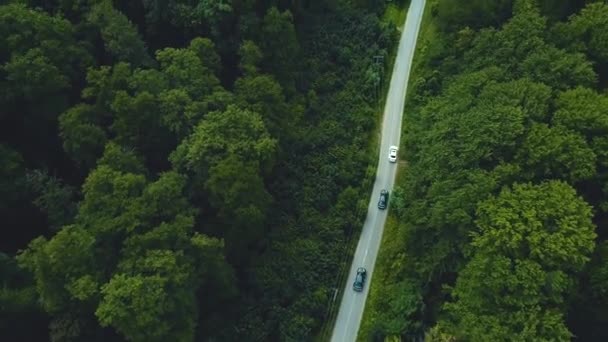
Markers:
531,242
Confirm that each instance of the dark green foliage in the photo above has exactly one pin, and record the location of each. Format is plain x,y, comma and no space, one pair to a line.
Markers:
17,209
559,9
41,64
10,172
182,169
20,311
453,14
45,42
55,199
120,37
280,45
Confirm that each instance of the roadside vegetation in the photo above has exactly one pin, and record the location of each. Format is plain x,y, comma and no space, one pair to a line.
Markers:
501,211
182,170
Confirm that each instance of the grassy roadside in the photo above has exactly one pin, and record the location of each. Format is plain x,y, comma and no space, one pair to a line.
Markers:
391,244
395,13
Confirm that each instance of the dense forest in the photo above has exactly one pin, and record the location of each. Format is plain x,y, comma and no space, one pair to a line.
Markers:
503,207
178,170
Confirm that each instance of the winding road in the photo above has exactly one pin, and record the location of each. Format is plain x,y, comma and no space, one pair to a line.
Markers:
353,303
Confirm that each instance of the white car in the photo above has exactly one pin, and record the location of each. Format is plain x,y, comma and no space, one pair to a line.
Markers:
392,154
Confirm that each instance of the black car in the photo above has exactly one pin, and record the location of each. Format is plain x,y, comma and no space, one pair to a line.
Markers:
360,279
383,202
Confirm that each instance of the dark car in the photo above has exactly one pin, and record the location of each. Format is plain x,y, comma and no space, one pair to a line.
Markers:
383,202
360,279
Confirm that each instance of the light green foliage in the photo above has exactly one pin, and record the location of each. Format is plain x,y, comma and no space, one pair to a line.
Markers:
461,148
589,26
251,56
107,193
140,306
163,199
104,82
221,134
548,224
120,36
263,95
83,138
58,264
135,305
559,68
531,241
173,104
437,334
121,159
520,48
151,262
84,288
399,307
582,110
477,122
205,50
228,153
184,69
549,152
32,74
148,110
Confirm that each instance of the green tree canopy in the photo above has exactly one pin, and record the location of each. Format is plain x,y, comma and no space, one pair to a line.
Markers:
280,46
476,14
532,240
520,48
120,36
221,134
588,28
83,138
556,152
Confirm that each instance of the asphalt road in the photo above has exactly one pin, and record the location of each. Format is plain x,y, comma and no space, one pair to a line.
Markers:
353,303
